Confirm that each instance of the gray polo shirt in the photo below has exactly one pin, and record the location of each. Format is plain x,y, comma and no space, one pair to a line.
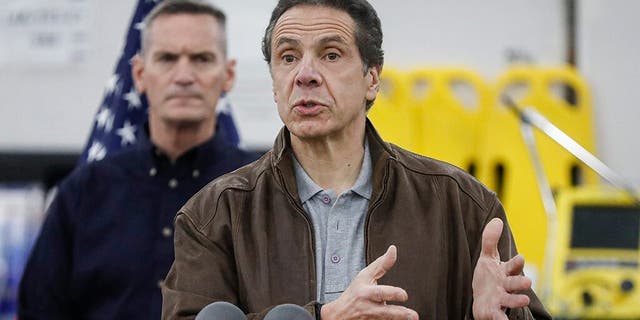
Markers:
338,224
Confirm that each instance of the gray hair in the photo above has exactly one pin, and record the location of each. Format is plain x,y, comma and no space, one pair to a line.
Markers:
173,7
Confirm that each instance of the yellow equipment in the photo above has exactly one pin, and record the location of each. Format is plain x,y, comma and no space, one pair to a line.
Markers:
433,112
596,272
448,104
390,114
584,253
505,164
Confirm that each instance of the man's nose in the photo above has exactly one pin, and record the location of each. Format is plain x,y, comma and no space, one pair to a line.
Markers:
184,72
308,75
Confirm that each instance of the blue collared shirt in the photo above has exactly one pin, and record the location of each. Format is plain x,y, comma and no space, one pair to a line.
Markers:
107,241
338,225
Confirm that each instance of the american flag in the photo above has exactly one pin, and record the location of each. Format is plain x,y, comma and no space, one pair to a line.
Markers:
124,111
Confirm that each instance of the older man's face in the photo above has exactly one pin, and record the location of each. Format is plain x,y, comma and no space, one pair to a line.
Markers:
184,69
319,82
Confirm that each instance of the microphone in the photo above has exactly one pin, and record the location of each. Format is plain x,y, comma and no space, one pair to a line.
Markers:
288,312
221,310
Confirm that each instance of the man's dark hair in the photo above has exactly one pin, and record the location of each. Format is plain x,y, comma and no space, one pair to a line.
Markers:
368,33
172,7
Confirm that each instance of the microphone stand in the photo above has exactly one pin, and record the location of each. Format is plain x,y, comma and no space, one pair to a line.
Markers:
530,118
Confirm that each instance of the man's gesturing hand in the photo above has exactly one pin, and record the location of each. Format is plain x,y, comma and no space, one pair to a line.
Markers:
495,282
365,299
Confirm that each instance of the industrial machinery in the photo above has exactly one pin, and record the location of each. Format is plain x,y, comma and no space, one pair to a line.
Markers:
596,272
592,255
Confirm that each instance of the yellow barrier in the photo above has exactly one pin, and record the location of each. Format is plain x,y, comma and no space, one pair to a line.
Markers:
390,113
506,165
448,104
425,111
550,90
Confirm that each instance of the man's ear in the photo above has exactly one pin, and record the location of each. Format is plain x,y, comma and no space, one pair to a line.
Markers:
137,72
231,75
373,82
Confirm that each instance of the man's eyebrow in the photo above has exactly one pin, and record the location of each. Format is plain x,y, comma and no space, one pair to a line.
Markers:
160,53
203,53
336,38
333,39
286,40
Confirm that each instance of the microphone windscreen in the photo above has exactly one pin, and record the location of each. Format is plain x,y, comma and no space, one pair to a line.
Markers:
288,312
221,310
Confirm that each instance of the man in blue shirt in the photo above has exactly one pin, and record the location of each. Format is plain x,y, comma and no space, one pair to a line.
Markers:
107,241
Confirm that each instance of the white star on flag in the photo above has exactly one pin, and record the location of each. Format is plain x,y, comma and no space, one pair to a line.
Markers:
113,85
96,152
139,26
127,133
133,98
104,119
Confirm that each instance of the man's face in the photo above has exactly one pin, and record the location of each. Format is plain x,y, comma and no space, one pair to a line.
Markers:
184,69
319,82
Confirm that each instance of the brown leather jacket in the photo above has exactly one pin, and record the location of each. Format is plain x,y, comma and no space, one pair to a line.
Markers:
246,239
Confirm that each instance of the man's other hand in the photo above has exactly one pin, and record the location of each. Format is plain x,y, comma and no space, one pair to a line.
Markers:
365,299
495,283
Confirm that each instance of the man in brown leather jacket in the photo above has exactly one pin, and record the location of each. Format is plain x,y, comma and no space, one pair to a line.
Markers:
333,218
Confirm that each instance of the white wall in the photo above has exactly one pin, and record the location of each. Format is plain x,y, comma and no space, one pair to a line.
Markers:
52,108
476,34
609,58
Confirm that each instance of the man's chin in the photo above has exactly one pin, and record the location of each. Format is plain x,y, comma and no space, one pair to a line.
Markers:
307,131
185,120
